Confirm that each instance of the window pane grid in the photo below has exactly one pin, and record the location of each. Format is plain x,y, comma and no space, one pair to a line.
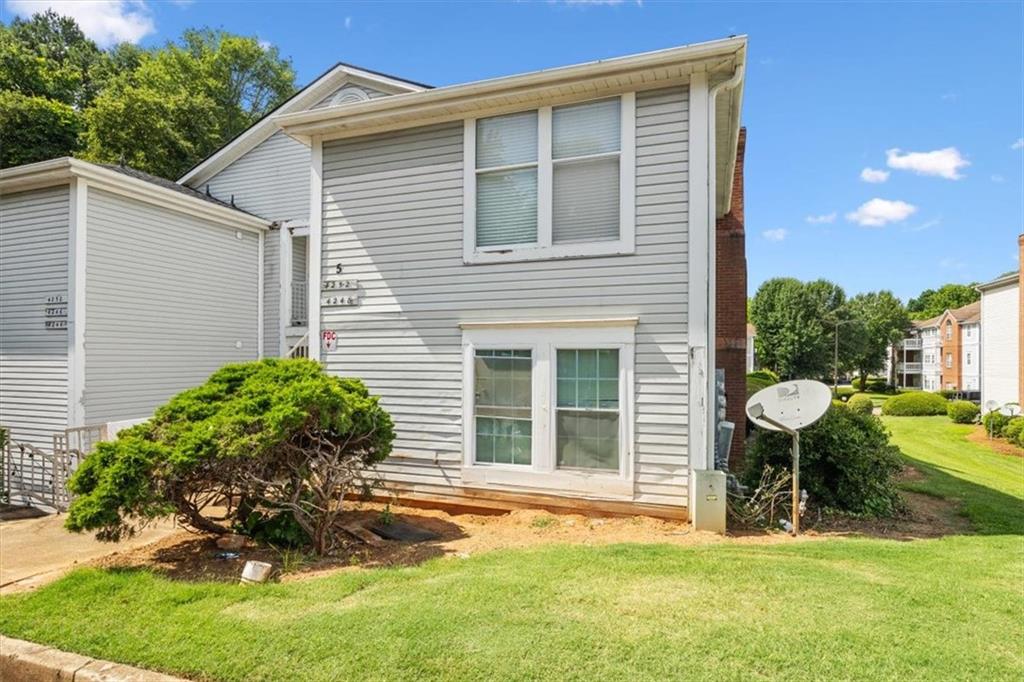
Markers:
587,409
504,398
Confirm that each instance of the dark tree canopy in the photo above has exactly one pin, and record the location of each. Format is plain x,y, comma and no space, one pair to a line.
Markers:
932,302
880,320
160,110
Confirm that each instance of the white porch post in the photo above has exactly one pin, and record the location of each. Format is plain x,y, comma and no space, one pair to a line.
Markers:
314,266
79,200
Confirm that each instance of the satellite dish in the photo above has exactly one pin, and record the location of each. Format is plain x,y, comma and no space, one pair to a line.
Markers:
991,406
1010,409
792,404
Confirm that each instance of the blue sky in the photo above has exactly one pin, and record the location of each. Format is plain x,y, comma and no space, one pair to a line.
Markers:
928,97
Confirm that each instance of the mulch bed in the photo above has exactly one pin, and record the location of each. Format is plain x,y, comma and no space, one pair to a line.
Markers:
1003,447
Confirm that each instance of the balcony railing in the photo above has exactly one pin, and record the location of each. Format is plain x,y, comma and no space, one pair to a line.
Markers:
910,344
298,316
908,367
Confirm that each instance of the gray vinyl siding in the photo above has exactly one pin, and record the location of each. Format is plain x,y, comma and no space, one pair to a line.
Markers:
326,101
34,242
393,219
272,294
272,181
168,295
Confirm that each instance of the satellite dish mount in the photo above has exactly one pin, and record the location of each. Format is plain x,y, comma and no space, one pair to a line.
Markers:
788,407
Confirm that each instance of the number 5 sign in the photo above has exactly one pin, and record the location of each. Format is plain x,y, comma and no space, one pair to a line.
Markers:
329,340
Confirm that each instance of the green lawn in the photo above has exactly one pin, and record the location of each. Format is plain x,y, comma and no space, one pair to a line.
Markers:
941,609
988,486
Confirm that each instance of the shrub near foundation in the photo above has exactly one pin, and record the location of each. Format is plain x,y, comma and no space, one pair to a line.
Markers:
917,404
963,411
274,438
846,462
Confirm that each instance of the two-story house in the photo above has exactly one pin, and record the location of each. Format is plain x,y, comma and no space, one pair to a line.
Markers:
538,274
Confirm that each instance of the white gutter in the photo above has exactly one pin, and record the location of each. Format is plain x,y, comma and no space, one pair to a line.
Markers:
710,284
62,170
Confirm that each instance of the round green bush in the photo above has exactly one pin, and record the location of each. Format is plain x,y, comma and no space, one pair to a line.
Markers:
916,404
874,385
1014,429
758,380
994,423
273,436
861,403
963,411
846,462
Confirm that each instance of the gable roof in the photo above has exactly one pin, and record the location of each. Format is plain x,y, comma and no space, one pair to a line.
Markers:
967,314
722,61
321,86
127,182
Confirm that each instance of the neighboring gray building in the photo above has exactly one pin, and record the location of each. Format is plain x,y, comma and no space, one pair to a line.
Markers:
117,290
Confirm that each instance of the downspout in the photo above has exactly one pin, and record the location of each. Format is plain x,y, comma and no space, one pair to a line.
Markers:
710,283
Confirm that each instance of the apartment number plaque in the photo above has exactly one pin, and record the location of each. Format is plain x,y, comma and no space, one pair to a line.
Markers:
339,293
55,311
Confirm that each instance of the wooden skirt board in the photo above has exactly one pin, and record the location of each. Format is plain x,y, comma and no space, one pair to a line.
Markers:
478,501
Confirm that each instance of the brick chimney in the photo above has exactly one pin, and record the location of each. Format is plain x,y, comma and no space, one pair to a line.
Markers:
731,307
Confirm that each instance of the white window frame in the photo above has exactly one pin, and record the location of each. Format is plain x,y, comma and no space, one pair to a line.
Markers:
544,341
544,248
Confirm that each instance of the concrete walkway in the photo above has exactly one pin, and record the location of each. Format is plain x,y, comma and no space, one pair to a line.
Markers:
22,661
35,551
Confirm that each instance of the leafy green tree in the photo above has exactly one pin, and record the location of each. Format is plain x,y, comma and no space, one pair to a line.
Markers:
932,302
271,438
880,320
184,101
794,323
35,129
48,56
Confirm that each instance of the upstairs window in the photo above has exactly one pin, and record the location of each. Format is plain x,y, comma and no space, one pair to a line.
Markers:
551,183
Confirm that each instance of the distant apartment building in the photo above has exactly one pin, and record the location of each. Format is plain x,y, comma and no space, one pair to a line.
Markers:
1002,337
942,353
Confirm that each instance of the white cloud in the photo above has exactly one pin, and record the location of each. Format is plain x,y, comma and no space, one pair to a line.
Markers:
1019,144
348,23
107,23
997,178
945,163
873,175
265,45
821,219
879,212
952,264
775,235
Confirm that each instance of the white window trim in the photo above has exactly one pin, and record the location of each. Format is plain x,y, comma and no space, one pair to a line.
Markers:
542,473
544,249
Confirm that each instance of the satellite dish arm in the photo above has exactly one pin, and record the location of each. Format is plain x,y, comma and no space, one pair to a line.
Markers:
757,412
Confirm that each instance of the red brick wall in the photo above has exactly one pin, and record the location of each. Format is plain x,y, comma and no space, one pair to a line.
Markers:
731,307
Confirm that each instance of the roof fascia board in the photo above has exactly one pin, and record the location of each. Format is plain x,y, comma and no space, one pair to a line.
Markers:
62,170
304,98
440,100
1000,282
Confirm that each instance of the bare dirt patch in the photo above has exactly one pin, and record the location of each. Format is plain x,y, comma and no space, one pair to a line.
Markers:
187,556
979,437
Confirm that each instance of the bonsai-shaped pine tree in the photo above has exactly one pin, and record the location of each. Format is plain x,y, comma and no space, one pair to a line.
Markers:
270,437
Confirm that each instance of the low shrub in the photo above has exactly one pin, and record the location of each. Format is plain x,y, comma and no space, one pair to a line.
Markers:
1014,430
873,385
916,404
846,462
861,403
963,411
948,393
766,375
281,440
994,423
